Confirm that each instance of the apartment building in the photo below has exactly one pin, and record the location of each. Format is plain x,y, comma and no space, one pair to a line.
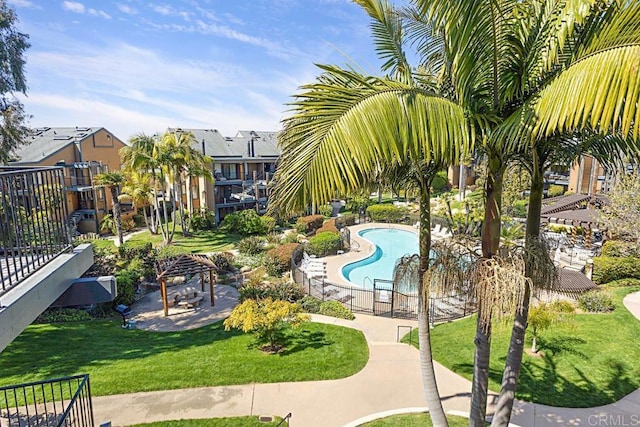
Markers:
83,152
243,165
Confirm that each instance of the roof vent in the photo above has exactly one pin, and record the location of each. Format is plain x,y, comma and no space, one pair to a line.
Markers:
61,138
82,129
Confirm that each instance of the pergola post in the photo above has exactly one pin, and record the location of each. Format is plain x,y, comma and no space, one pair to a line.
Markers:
201,279
211,288
163,293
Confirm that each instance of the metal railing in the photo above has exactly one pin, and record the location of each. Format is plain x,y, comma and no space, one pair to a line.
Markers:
382,299
58,402
33,221
286,419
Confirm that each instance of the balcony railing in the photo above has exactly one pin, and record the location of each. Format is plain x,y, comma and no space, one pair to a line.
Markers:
58,402
33,221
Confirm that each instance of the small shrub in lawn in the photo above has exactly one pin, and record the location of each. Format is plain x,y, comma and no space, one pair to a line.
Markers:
563,306
596,301
608,269
278,259
329,225
310,304
59,315
251,245
386,213
620,248
335,309
309,224
326,243
203,220
222,260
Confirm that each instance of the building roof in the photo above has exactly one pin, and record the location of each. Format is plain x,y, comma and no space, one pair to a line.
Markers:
563,203
581,217
46,141
212,143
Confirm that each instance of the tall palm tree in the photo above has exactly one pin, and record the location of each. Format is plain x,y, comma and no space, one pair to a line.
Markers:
346,126
138,187
113,181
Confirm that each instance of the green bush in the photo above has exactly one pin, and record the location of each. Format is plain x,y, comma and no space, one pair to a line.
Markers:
386,213
58,315
222,260
269,223
346,220
620,248
138,220
608,269
278,259
555,190
323,244
325,210
310,304
203,220
624,283
127,281
290,237
309,224
245,222
440,183
519,208
358,202
280,289
251,245
596,301
562,306
335,309
168,251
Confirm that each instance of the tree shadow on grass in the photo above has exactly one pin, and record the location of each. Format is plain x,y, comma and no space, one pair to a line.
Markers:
300,340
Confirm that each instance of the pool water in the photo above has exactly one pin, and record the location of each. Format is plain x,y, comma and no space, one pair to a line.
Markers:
391,244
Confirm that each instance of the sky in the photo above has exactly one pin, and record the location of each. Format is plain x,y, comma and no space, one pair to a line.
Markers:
134,66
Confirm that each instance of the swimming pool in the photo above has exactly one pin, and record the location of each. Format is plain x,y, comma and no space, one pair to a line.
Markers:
391,244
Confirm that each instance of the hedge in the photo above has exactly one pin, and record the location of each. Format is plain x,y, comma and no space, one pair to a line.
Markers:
329,225
308,224
325,243
386,213
278,259
620,248
607,269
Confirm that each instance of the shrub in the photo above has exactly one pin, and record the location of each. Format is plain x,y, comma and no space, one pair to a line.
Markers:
386,213
608,269
440,183
138,220
620,248
329,225
245,222
310,304
58,315
278,259
519,208
563,306
596,301
346,220
325,210
326,243
308,224
267,319
269,223
280,289
251,261
358,202
127,281
290,237
203,220
168,251
222,260
335,309
555,190
624,283
250,245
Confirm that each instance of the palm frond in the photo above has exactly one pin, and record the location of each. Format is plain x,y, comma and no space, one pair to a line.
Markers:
345,125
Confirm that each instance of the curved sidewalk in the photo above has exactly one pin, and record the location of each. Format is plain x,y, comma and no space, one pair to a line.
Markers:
390,380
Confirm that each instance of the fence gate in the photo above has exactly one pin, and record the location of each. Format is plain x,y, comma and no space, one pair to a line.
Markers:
383,296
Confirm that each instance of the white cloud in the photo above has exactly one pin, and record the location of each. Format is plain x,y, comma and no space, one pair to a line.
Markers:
99,13
127,9
73,6
23,3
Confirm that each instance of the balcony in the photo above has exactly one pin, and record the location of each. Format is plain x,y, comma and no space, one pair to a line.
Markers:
58,402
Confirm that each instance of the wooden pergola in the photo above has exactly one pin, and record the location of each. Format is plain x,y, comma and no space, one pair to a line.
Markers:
184,265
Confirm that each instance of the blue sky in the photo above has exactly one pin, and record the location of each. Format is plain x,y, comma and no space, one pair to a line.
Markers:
144,65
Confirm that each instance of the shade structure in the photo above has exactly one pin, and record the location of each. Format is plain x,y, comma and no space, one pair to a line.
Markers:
184,265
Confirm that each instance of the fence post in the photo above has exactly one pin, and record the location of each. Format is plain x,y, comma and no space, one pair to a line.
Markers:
393,294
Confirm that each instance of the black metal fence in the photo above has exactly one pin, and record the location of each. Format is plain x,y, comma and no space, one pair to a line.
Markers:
381,299
58,402
33,221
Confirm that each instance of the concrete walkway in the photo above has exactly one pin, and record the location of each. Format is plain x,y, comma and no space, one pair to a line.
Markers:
390,380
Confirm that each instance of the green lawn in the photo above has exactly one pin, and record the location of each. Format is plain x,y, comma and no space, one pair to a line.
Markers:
591,361
410,420
127,361
198,242
212,422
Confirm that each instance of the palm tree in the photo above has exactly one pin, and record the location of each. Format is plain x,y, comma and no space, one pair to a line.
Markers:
138,188
114,181
346,126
